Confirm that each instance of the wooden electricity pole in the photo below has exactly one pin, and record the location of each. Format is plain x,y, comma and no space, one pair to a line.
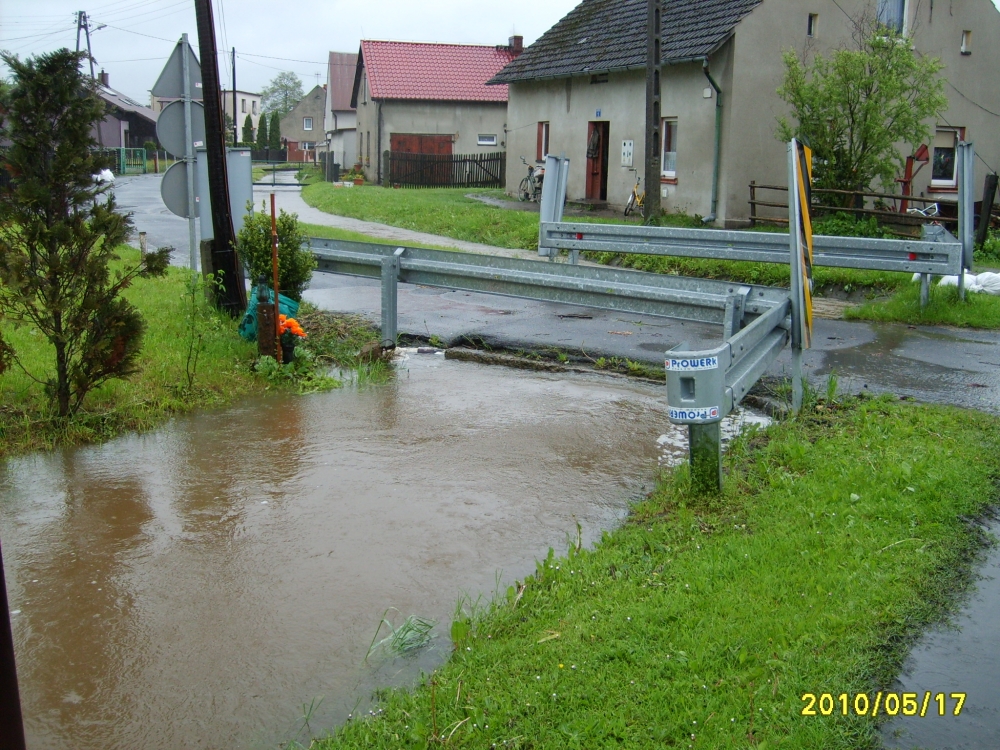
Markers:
224,263
651,206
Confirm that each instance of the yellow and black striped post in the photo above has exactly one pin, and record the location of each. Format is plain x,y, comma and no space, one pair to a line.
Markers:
800,237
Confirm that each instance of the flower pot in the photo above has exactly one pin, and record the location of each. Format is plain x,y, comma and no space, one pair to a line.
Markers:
359,180
287,352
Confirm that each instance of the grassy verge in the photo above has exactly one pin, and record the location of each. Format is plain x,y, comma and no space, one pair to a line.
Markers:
223,374
703,621
443,211
979,310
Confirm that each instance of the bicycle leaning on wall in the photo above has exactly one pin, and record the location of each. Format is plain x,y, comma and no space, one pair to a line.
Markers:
635,200
530,188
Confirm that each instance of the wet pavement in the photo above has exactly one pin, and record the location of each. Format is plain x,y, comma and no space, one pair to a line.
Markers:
195,586
961,657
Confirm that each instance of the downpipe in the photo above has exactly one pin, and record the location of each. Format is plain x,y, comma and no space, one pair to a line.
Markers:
718,142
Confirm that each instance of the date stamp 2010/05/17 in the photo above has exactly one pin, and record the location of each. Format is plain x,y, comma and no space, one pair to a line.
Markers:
889,704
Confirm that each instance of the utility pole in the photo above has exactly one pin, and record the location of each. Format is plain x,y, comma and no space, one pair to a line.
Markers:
224,263
236,137
83,23
651,205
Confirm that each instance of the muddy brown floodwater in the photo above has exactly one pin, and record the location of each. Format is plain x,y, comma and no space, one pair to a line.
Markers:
196,586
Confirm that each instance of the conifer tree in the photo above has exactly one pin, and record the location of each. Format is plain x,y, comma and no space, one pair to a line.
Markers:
262,133
274,133
247,130
59,232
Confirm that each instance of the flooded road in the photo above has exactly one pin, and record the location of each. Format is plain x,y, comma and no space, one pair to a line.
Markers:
195,586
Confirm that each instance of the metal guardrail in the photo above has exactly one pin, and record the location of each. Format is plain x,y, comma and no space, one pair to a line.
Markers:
938,253
703,386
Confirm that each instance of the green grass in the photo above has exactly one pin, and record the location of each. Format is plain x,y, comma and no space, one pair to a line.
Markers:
702,621
333,233
979,310
443,211
160,389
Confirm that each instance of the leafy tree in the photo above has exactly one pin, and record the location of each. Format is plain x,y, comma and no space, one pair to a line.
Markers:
248,129
295,262
856,108
58,233
274,132
282,93
262,133
227,128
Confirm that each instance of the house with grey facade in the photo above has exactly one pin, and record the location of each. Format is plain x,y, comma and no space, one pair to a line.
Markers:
302,127
127,123
423,98
579,91
340,118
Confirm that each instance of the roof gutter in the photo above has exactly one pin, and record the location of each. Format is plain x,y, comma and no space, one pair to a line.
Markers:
718,142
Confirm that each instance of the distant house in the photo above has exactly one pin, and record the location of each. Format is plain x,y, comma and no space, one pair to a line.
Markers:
415,97
302,128
247,103
580,91
127,123
340,119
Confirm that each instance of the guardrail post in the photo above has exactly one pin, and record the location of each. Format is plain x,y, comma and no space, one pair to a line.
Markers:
550,209
966,209
796,277
705,446
925,289
390,279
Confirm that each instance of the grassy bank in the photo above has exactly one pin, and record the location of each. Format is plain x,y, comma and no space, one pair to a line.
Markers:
448,212
979,310
703,621
161,388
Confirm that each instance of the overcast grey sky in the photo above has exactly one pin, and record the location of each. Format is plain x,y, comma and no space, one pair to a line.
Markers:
140,34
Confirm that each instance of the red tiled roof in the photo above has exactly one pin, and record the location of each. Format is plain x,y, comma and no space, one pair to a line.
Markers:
448,72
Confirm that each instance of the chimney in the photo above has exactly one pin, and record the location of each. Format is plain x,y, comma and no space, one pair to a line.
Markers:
104,79
516,45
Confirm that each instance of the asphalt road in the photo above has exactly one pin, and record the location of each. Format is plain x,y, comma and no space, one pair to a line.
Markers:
939,365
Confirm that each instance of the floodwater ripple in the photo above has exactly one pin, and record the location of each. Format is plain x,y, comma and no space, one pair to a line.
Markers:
194,586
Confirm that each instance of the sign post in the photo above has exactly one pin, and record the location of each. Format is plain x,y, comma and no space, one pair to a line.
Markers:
11,724
180,129
800,239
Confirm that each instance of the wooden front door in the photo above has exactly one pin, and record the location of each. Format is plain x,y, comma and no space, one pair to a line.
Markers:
597,160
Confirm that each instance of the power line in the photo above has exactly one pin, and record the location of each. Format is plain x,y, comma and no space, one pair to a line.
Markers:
289,59
139,33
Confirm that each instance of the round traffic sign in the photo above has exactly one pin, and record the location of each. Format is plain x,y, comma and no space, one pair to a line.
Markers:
174,190
170,127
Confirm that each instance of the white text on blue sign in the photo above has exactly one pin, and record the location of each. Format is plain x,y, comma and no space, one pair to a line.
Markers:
691,365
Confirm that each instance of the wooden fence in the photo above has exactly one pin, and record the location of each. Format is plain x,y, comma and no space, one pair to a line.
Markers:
888,208
431,170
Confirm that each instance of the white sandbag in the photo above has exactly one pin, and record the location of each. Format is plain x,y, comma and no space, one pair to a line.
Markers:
106,175
970,279
916,277
988,283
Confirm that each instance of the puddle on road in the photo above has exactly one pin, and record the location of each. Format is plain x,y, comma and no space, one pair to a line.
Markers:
193,587
962,658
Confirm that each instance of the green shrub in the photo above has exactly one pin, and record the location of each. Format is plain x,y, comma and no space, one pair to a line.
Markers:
989,251
295,263
150,146
845,225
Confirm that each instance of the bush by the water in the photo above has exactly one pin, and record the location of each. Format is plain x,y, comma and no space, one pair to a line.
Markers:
295,263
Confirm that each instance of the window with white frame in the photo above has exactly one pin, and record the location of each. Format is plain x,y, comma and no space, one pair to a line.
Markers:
668,159
542,141
486,140
253,107
307,123
944,169
966,42
243,106
892,14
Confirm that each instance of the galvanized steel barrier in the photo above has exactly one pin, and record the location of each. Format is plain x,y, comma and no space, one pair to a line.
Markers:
708,385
